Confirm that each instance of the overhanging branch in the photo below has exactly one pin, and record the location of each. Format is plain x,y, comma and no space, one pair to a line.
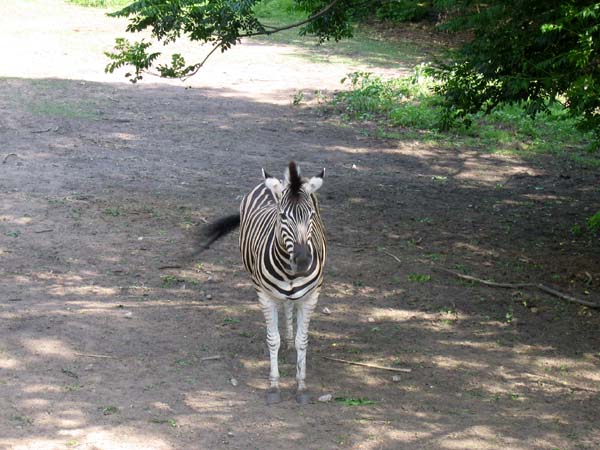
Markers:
223,43
293,25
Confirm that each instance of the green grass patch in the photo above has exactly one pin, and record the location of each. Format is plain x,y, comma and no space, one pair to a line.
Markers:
65,108
171,422
354,401
278,12
594,223
109,410
419,277
183,363
168,281
113,211
408,108
101,3
231,321
366,47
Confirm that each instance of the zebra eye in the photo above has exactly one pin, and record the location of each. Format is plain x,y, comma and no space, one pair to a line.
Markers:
282,216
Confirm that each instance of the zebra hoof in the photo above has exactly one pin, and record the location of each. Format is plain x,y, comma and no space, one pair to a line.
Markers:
303,397
273,396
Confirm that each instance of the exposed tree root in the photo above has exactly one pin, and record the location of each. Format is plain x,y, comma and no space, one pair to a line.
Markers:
539,286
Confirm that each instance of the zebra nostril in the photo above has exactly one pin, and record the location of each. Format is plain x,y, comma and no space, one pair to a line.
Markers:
302,262
301,257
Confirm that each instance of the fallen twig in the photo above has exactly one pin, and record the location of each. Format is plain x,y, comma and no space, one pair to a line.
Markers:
486,282
44,231
8,156
169,267
372,366
393,256
91,355
539,286
567,297
211,358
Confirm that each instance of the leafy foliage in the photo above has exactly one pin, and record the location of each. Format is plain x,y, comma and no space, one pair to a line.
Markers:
219,22
131,54
100,3
411,106
531,53
402,101
594,223
354,401
395,10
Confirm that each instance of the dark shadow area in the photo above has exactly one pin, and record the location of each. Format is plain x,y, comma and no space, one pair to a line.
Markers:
106,320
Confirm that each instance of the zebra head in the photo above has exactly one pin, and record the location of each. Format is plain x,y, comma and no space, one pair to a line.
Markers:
296,216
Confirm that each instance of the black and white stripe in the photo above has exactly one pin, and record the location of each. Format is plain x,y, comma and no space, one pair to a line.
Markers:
268,232
283,247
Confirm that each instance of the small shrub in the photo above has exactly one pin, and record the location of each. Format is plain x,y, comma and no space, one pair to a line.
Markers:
419,278
414,103
594,223
100,3
403,10
352,401
406,102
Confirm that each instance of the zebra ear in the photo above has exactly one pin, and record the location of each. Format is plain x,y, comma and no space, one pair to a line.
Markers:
273,184
314,183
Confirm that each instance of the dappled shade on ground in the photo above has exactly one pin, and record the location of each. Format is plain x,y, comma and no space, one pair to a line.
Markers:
101,348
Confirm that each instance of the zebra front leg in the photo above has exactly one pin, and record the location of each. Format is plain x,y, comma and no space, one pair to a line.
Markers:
269,309
305,310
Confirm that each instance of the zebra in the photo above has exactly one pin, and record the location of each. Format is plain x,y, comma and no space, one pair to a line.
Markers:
283,247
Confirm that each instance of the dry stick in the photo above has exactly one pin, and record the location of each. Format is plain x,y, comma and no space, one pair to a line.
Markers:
8,156
372,366
566,297
487,283
393,256
91,355
540,286
211,358
169,267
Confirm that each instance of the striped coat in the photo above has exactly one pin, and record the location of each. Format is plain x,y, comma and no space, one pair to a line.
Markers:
265,258
283,247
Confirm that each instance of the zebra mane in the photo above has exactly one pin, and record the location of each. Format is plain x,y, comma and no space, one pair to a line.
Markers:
294,179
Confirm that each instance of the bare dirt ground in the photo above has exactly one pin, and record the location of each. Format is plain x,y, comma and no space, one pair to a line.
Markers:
103,183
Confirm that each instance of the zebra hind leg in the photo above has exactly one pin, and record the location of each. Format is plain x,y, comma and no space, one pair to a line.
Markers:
288,308
269,309
305,310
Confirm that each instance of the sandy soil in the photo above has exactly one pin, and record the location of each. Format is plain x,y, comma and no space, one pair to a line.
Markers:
103,184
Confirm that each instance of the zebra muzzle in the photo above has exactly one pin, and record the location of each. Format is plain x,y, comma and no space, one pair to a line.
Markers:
301,259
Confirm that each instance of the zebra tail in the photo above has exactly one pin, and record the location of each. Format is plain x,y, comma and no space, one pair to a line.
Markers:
218,229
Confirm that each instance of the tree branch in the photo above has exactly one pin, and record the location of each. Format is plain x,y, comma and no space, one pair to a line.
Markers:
293,25
539,286
220,42
199,65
